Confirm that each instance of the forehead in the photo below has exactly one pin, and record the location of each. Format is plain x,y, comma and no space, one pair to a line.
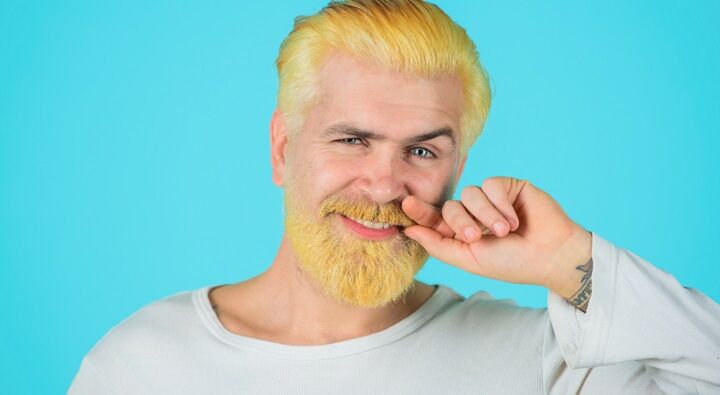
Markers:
380,99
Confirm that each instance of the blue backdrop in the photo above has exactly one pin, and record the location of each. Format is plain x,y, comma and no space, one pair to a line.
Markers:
134,149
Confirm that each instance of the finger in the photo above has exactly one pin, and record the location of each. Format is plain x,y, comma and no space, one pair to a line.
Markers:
478,204
499,191
460,221
425,214
449,250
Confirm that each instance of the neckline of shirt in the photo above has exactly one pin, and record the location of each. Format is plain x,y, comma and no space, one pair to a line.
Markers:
439,298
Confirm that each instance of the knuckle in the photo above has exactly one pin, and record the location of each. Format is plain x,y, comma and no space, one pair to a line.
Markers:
475,200
450,210
492,181
448,207
468,193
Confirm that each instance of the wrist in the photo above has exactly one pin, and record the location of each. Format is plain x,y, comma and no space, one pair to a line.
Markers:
575,252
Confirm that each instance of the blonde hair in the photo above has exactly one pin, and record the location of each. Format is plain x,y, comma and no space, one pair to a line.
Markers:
407,36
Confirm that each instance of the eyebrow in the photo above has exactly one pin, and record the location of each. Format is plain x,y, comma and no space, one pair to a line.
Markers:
349,130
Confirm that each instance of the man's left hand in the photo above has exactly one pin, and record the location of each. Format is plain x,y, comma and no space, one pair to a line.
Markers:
506,229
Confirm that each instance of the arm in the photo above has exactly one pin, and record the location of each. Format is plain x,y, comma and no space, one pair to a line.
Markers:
642,331
573,267
640,314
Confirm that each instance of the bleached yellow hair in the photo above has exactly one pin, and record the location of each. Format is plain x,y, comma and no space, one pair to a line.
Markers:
407,36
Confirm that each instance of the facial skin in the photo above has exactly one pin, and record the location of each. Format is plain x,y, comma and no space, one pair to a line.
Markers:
328,170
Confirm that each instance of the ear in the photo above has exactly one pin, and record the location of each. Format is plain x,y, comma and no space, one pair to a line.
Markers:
278,141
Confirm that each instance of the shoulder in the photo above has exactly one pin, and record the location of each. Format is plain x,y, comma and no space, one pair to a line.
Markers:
500,317
159,326
481,303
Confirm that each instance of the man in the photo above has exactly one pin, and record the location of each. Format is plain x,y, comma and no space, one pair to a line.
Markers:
379,102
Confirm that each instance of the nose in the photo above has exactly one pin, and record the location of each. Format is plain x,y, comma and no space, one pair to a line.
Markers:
383,178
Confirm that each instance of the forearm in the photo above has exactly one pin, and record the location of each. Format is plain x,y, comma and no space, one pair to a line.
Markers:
640,313
572,278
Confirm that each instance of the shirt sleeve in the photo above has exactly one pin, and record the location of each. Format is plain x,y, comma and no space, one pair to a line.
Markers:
641,324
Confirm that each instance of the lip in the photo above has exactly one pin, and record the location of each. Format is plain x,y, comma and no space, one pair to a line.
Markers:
369,233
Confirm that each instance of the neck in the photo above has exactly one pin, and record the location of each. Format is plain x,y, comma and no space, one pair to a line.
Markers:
291,309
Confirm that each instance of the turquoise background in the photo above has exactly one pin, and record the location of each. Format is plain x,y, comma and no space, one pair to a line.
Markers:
134,149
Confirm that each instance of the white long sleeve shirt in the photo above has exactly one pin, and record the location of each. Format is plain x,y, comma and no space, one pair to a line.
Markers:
643,333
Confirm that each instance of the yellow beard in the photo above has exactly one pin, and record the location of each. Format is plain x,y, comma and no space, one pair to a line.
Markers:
350,269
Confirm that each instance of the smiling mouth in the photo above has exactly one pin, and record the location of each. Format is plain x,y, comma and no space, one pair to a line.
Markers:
372,225
376,226
370,230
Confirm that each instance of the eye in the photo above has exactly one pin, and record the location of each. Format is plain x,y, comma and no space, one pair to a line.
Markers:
350,141
423,152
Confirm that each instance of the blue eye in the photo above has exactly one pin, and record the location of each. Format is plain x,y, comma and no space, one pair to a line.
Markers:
423,152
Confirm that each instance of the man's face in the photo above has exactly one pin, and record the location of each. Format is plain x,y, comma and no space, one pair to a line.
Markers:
374,138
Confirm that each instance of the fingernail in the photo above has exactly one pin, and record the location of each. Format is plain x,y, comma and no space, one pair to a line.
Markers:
499,227
470,233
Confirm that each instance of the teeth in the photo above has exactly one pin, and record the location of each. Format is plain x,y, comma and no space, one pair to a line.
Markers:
371,225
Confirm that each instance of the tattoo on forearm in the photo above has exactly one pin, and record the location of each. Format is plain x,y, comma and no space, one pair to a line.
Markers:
581,298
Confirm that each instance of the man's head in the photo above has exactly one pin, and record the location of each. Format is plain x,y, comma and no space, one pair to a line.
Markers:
378,100
407,36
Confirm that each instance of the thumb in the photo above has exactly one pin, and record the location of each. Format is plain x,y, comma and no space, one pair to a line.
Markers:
446,249
425,214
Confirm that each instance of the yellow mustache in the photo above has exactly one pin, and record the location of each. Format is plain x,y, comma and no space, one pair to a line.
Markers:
365,210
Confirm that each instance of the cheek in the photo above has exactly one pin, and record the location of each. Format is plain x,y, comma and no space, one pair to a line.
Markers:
433,185
330,173
317,175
